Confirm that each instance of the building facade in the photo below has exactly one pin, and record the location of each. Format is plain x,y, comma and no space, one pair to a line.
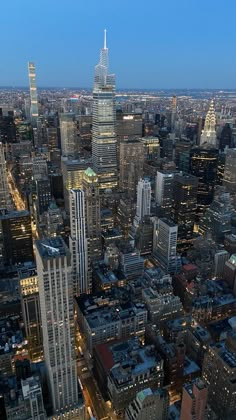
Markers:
53,261
85,238
104,138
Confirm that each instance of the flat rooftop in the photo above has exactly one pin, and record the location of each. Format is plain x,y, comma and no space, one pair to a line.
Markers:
168,222
103,310
52,247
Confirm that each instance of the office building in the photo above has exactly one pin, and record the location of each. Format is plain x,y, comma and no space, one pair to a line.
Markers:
5,198
52,138
165,244
164,191
218,216
149,405
131,263
161,306
151,148
131,165
85,238
69,140
194,401
144,236
143,200
54,270
34,113
43,194
72,174
39,167
208,136
128,125
141,367
125,215
27,403
16,237
220,259
184,206
219,373
203,165
29,294
101,319
229,180
104,138
225,137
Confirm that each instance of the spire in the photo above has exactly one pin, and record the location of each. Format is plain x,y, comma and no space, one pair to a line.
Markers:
209,132
105,39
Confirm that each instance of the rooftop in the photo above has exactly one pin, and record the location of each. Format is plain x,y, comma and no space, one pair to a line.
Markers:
132,359
52,247
105,309
227,356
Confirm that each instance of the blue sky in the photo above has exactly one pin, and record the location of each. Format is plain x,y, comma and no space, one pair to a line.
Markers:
152,44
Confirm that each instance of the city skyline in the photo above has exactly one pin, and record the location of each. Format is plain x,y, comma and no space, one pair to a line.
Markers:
170,48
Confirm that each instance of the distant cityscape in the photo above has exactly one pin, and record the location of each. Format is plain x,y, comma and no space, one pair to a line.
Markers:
117,252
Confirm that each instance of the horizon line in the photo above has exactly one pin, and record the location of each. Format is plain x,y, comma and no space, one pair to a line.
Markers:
119,88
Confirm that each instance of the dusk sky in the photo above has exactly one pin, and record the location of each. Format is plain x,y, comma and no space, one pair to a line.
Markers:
152,44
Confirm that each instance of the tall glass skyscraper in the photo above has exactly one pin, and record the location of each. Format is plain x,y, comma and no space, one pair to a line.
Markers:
104,139
34,113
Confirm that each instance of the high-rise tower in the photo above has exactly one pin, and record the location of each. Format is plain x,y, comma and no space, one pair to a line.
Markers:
69,140
34,113
5,199
85,240
53,260
143,200
104,139
208,136
230,171
173,112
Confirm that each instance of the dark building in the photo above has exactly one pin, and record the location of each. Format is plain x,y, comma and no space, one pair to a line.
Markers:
16,244
144,236
203,164
44,195
128,125
56,185
167,147
185,205
220,169
131,161
226,137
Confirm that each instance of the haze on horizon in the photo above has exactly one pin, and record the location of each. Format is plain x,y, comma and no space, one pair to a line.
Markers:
152,45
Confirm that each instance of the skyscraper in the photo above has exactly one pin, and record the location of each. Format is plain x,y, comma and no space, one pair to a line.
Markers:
53,260
203,165
173,112
165,244
208,136
29,293
164,191
143,200
34,113
184,205
131,165
16,245
104,139
5,199
69,139
230,171
85,240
